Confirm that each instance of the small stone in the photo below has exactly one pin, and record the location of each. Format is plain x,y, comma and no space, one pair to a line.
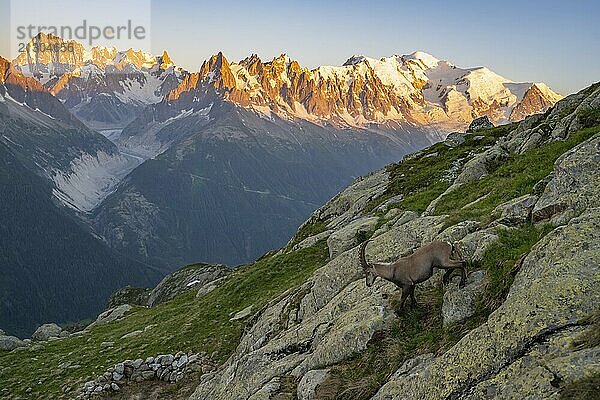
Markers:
117,376
119,368
115,387
164,375
147,375
206,368
182,361
138,363
195,367
132,334
149,360
167,360
136,377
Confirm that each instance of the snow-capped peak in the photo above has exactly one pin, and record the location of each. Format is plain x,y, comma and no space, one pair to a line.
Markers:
426,59
138,58
355,59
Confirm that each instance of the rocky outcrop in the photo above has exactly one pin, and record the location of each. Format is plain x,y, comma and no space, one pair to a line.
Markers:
574,186
49,331
192,277
480,124
459,303
319,323
516,211
350,235
9,343
545,304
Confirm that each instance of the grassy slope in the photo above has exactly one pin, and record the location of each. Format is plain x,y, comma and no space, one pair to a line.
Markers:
514,178
187,324
184,324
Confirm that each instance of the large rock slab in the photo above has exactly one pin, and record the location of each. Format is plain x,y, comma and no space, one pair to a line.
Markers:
575,184
48,331
349,236
110,315
309,382
474,245
516,211
459,303
351,202
557,286
309,241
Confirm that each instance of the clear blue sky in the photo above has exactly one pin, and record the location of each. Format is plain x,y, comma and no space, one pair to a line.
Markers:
552,41
556,42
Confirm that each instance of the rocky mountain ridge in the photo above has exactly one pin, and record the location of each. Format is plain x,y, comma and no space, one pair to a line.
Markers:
417,88
103,87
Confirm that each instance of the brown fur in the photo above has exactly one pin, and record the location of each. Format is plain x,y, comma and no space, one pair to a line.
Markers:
407,271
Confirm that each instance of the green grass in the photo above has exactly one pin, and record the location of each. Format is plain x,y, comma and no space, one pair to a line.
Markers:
514,178
590,117
501,258
309,229
591,336
422,178
183,324
584,389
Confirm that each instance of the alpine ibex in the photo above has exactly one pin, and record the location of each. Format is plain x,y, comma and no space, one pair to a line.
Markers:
407,271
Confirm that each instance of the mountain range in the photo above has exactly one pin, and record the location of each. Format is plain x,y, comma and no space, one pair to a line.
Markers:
155,166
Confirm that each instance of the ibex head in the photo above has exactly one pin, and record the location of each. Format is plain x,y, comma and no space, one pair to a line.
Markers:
370,275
